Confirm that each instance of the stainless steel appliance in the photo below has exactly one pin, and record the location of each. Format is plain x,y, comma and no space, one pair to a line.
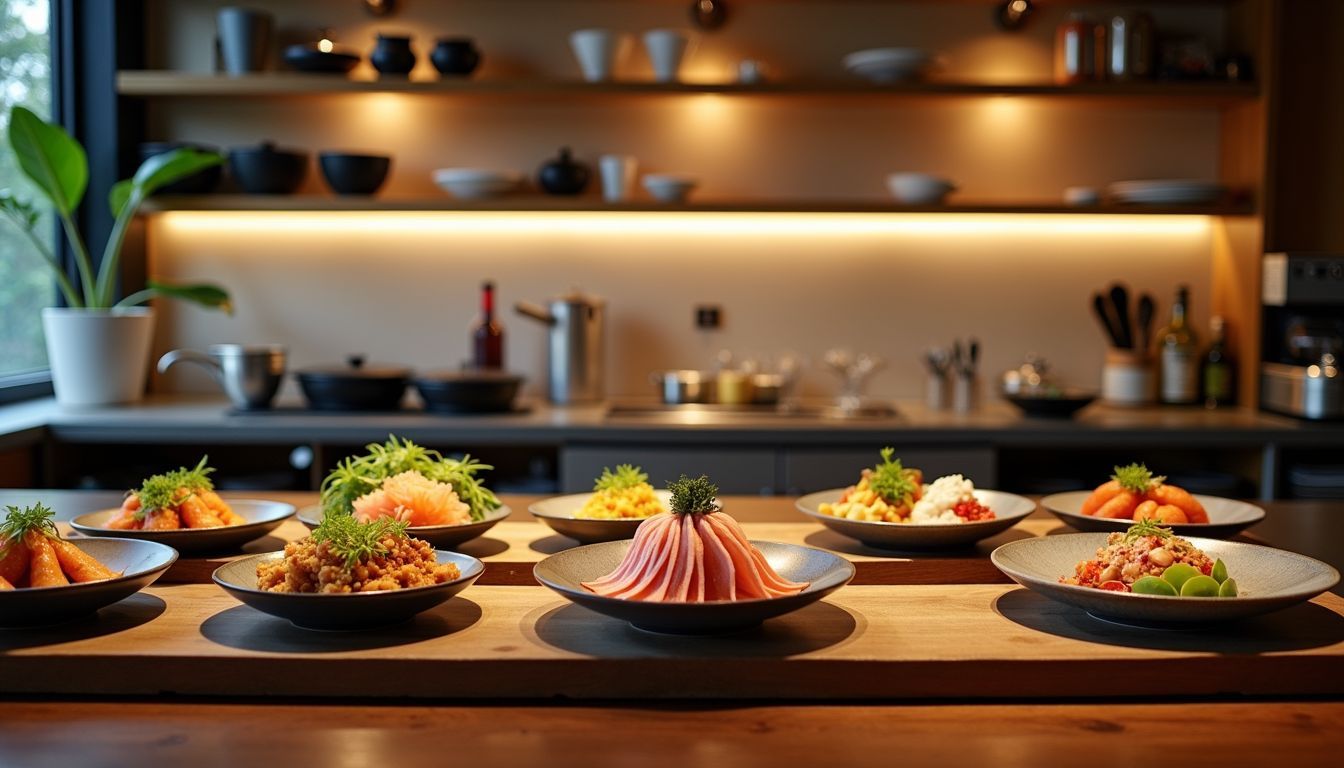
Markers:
249,374
1302,339
575,346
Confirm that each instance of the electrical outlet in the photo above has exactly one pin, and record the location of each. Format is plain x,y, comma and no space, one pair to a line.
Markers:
708,317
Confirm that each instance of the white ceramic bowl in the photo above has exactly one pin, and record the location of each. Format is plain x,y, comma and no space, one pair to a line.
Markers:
476,184
919,188
888,65
669,187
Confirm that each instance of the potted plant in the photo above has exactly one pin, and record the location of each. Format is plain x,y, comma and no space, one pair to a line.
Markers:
98,347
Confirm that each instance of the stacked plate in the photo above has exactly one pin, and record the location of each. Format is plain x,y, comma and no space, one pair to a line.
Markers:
888,65
1166,192
476,183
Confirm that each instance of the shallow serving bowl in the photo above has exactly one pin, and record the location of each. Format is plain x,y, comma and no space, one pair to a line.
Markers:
476,184
262,517
1227,517
140,563
363,610
565,572
438,536
1268,579
1009,510
888,65
559,513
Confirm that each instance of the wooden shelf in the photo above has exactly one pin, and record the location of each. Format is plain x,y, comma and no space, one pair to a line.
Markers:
170,84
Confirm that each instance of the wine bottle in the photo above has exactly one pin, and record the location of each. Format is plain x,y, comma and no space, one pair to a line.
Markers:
1217,374
487,335
1177,353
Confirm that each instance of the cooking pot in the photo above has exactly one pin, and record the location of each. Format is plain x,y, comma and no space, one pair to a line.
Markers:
354,387
682,387
469,391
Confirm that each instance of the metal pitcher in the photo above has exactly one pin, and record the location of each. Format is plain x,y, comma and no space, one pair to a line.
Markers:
575,346
249,374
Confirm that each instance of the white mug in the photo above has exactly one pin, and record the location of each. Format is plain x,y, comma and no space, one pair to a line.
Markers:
618,177
666,48
598,52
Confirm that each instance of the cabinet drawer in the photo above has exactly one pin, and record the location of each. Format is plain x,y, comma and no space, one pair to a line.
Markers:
735,471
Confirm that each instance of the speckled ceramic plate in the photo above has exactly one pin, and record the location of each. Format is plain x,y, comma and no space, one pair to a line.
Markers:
1009,510
1267,580
558,513
140,563
565,573
439,536
1227,517
262,517
363,610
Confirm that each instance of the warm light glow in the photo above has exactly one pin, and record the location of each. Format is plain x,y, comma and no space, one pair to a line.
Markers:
680,223
324,45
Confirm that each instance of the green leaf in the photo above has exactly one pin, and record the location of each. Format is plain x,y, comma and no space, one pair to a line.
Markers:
119,195
50,157
205,294
161,170
20,211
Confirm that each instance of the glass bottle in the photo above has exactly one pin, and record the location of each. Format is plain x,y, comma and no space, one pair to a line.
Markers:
1177,356
487,335
1073,50
1217,374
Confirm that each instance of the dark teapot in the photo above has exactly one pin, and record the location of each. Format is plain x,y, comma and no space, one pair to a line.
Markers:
563,175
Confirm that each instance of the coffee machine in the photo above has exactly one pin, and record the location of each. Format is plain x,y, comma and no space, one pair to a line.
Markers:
1302,335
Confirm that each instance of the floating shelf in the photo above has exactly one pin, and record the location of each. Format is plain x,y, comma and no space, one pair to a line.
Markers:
590,204
170,84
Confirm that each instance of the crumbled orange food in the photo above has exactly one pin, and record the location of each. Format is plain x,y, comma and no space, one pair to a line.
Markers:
312,567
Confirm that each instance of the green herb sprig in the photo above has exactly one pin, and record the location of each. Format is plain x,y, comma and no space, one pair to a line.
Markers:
893,482
357,475
19,522
693,496
1146,528
625,477
162,491
1136,478
355,541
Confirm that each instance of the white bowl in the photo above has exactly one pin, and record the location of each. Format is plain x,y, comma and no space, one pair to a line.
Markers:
669,187
919,188
475,183
888,65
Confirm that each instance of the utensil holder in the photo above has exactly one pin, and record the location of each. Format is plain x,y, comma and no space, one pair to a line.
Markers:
936,397
1126,379
965,393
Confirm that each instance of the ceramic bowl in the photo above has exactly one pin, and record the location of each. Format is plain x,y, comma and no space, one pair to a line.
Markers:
362,610
439,536
476,184
353,174
262,517
565,572
1227,517
1055,404
919,188
305,58
1009,510
139,562
888,65
668,187
265,170
558,513
1267,580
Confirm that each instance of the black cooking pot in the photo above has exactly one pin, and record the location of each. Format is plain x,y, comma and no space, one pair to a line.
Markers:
354,387
472,391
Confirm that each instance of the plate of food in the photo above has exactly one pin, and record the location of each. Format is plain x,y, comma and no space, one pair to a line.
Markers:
45,579
181,509
441,499
891,507
1134,493
692,571
620,501
1149,576
350,575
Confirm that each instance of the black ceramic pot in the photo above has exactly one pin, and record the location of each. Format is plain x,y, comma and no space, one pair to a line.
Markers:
393,55
455,56
265,170
563,175
354,174
306,58
199,183
468,391
353,387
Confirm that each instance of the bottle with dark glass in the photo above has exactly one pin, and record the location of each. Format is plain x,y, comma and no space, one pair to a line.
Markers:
1217,372
487,335
1178,363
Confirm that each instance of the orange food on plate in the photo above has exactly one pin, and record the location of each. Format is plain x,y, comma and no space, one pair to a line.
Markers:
32,553
183,498
410,497
1134,493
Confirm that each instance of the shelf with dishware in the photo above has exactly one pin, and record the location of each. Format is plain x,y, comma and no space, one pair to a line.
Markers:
539,203
172,84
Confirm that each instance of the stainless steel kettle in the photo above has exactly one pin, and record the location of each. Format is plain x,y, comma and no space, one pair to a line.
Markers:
249,374
575,346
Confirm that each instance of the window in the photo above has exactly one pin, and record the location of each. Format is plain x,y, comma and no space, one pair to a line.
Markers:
26,284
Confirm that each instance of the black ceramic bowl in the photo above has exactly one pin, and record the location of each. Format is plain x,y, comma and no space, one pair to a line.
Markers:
199,183
354,387
455,56
354,174
468,391
1056,404
307,59
265,170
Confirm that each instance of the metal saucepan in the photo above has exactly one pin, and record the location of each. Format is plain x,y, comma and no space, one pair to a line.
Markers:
249,374
682,387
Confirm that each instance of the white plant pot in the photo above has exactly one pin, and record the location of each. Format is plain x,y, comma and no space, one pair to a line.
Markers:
98,356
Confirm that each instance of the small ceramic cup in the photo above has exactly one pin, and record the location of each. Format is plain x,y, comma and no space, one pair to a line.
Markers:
599,52
618,177
666,49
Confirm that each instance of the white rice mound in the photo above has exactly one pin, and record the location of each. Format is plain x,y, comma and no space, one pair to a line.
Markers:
940,496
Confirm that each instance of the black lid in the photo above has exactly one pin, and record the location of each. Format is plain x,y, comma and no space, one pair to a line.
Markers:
355,368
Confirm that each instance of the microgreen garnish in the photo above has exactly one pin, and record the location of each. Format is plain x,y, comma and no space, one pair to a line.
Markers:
358,475
893,482
355,541
1146,528
20,521
163,491
625,477
1136,478
693,496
